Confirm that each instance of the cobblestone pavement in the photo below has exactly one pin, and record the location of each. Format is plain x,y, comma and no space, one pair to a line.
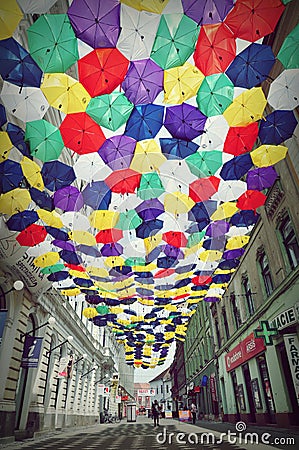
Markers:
142,435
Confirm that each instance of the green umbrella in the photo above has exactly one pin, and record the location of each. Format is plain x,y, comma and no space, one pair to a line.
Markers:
288,54
128,220
175,40
102,309
135,261
150,186
110,110
44,139
215,94
52,43
52,269
205,163
195,238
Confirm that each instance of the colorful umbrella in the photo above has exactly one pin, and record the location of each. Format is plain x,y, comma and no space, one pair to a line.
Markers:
145,121
57,175
97,195
261,178
103,219
52,43
203,188
50,218
32,235
244,218
288,52
149,228
150,209
181,83
205,163
90,167
230,190
11,176
241,139
251,199
14,201
143,81
217,228
277,127
175,239
177,148
215,49
147,156
184,121
5,145
68,198
95,23
17,135
225,210
44,139
32,173
10,16
283,92
208,11
175,40
215,94
236,167
81,134
22,220
267,155
17,66
177,203
109,236
123,181
113,249
150,186
128,220
47,259
248,107
118,151
42,199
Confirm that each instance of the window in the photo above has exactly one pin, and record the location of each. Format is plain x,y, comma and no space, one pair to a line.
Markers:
161,388
225,323
248,295
167,388
236,311
217,333
289,241
266,274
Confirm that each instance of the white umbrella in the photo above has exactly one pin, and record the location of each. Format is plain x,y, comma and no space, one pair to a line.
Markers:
75,221
35,6
176,171
91,167
214,135
122,203
138,32
27,103
283,92
229,190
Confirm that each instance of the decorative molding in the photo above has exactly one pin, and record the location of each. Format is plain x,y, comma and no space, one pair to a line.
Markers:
274,199
280,216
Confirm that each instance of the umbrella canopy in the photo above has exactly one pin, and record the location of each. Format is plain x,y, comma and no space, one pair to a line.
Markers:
175,239
277,127
47,259
95,23
16,135
81,134
128,220
251,199
230,190
123,181
203,188
177,203
145,121
6,145
97,195
248,107
17,66
241,139
261,178
10,16
175,40
32,235
252,19
11,176
267,155
207,11
184,121
217,228
149,228
252,66
57,175
110,110
150,209
21,220
215,49
181,83
283,92
14,201
288,52
52,43
102,70
147,156
215,94
236,167
68,198
65,93
204,163
150,186
44,139
3,118
118,151
91,167
244,218
143,81
32,173
225,210
35,6
42,199
177,148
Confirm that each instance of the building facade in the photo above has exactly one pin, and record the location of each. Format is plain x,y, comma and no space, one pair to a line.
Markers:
162,385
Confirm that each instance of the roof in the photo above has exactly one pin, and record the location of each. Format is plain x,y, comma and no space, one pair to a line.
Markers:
161,375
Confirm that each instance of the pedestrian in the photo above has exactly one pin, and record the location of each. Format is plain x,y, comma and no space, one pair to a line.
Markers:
155,413
193,412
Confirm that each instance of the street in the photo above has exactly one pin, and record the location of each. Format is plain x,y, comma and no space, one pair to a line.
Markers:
142,435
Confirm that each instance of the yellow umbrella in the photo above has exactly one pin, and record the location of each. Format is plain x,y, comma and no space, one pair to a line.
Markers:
193,249
225,210
152,242
10,16
103,219
47,259
267,155
71,292
31,171
50,218
79,274
82,237
155,6
147,157
116,310
145,301
237,242
5,145
114,261
210,255
178,203
248,107
170,308
65,93
14,201
90,313
147,268
97,271
181,83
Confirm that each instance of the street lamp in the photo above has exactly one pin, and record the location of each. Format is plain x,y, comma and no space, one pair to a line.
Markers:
105,376
51,321
17,286
86,373
69,339
80,359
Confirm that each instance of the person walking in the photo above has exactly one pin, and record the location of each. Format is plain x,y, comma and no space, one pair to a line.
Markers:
155,413
193,412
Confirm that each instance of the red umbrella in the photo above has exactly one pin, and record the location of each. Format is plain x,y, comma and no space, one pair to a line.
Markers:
253,19
124,181
109,236
203,188
102,70
175,238
75,267
164,273
215,49
32,235
251,199
240,139
201,280
81,134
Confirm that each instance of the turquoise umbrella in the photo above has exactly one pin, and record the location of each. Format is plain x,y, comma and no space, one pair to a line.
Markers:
215,94
205,163
128,220
288,54
45,140
150,186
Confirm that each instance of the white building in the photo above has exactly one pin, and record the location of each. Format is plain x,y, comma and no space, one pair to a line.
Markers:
162,387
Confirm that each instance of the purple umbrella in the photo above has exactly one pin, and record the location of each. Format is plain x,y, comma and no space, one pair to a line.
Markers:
261,178
150,209
184,121
88,250
68,198
97,195
143,81
207,11
173,252
113,249
96,22
217,228
64,245
232,254
117,152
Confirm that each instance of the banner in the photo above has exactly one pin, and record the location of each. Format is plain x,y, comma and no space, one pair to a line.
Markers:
245,350
106,391
146,392
66,367
292,347
31,351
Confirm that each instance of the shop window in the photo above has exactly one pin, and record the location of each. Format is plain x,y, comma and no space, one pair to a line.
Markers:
289,241
248,294
235,311
266,273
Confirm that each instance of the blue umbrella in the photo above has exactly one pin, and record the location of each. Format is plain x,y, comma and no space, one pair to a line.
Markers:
186,268
145,121
236,167
42,199
184,121
277,127
3,118
182,283
153,255
252,66
58,276
144,280
56,233
22,220
165,262
150,209
177,148
201,212
70,257
57,175
11,175
17,66
16,135
229,264
215,243
221,278
97,195
83,282
244,218
65,245
149,228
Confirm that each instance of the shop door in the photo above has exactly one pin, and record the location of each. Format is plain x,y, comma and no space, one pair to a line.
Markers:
289,383
247,378
236,392
266,384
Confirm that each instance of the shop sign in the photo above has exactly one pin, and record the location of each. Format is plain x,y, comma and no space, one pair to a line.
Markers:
244,351
146,392
31,352
124,398
213,388
285,318
117,399
292,347
196,389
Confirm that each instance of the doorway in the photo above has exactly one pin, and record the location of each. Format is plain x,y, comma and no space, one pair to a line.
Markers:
236,394
267,389
247,378
294,417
